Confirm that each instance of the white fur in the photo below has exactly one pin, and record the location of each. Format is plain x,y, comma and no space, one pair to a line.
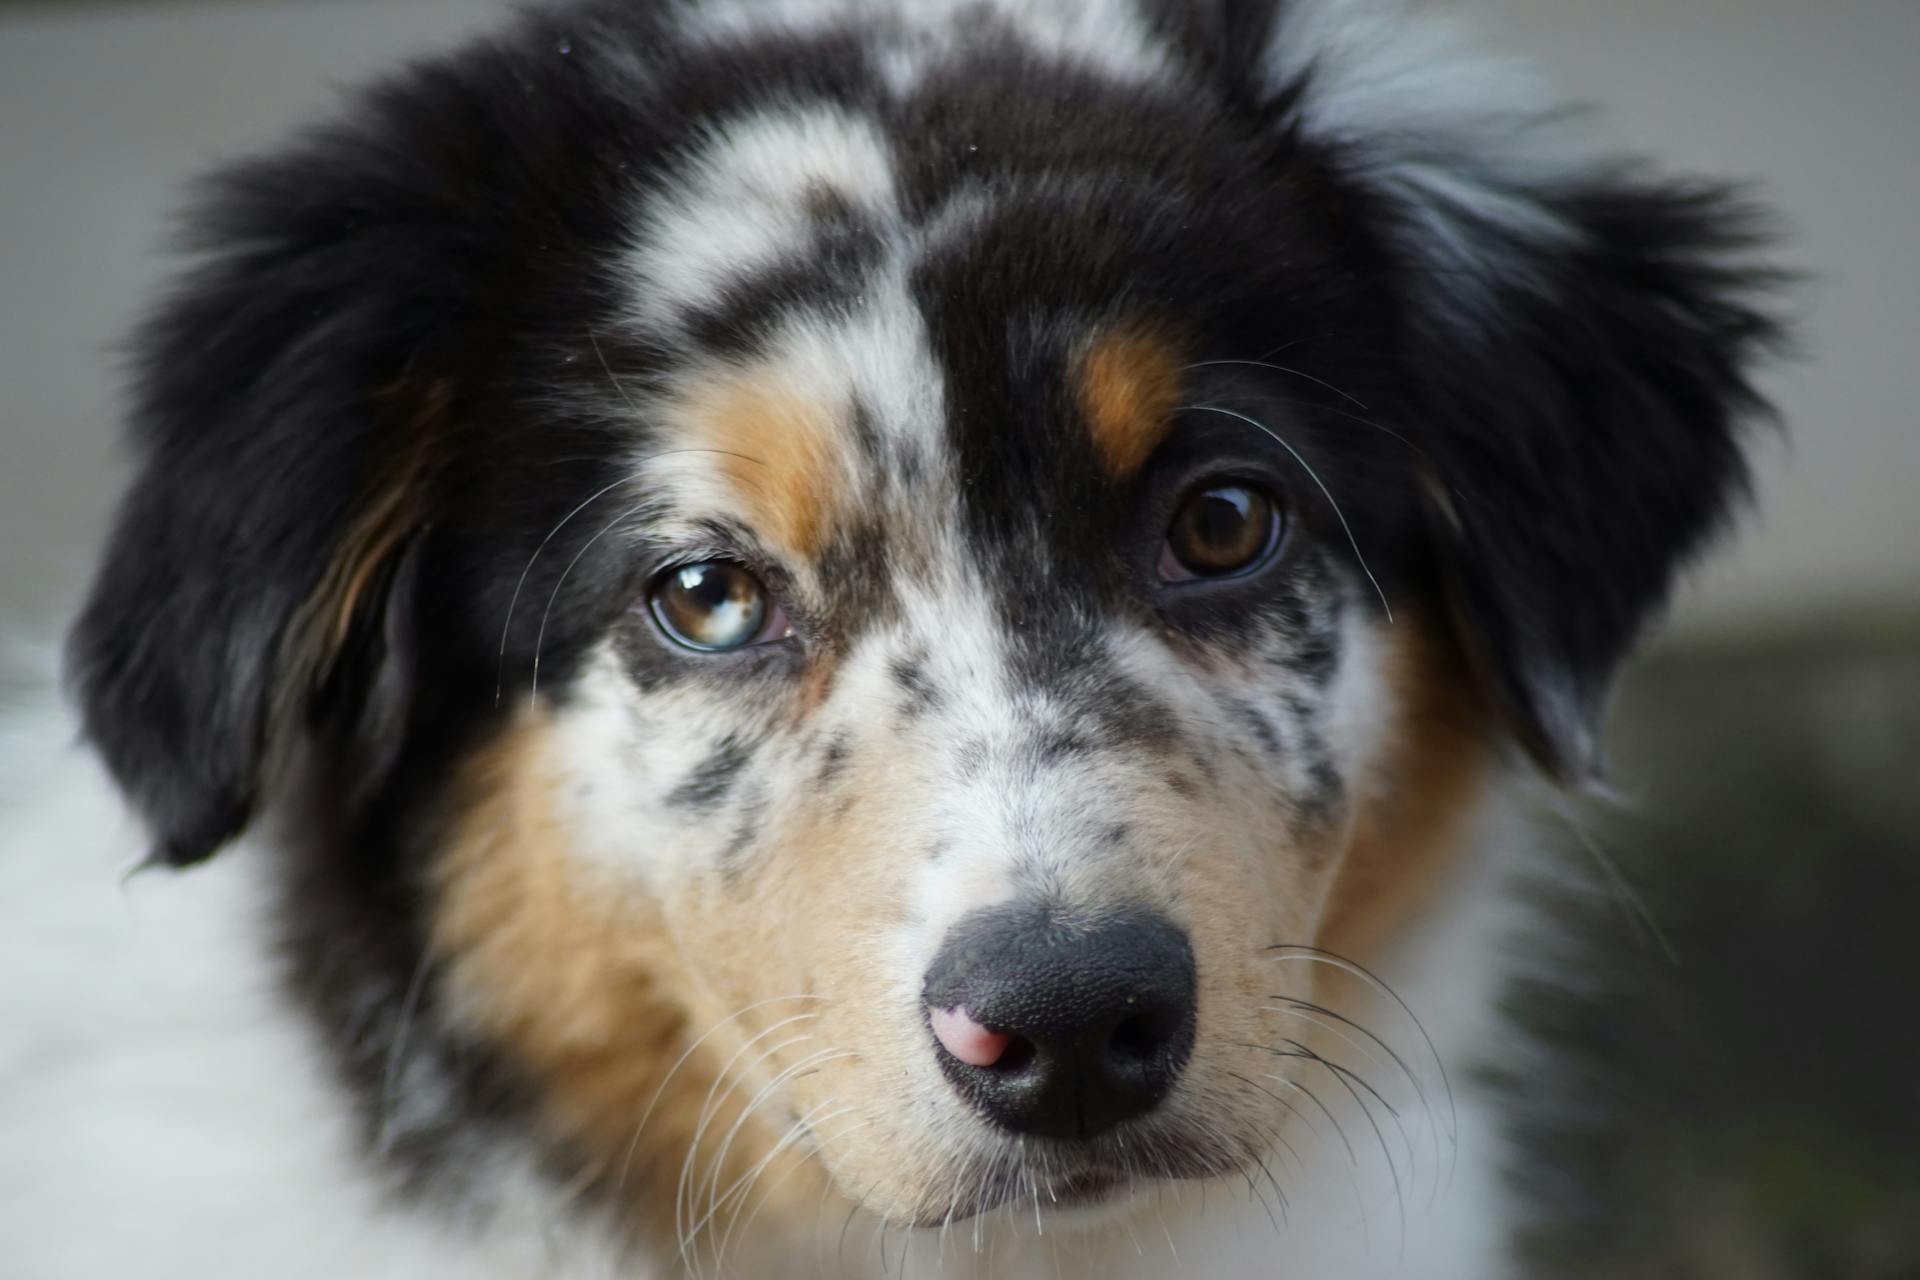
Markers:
914,36
740,203
162,1113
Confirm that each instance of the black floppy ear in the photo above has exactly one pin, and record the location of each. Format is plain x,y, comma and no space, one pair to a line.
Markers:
1576,338
281,441
1582,385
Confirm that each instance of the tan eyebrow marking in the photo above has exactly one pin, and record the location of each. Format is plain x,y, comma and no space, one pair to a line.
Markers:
1128,382
781,449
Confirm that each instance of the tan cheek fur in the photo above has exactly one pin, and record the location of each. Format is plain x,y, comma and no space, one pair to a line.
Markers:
826,894
577,977
1129,387
1409,830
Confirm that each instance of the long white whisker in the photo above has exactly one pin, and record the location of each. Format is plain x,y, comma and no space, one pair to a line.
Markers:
1338,513
506,628
766,1192
746,1180
1281,368
600,355
682,1196
540,637
719,1161
681,1061
396,1050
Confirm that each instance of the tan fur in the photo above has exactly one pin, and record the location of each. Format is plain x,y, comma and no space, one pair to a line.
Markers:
778,447
388,514
826,889
1407,836
578,977
1129,386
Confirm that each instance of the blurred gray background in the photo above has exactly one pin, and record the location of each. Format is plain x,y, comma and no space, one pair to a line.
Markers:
1749,1109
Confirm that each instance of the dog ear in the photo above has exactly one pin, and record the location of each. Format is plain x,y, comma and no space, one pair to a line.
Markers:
1577,339
1582,394
283,440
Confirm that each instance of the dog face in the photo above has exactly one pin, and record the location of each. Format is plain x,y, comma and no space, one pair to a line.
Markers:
820,596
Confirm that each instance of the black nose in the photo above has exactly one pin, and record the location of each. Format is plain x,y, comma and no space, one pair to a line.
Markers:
1083,1024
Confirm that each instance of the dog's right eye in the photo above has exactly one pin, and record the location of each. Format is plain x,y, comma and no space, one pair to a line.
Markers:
715,606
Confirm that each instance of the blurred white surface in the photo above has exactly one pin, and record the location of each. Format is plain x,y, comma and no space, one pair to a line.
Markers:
106,108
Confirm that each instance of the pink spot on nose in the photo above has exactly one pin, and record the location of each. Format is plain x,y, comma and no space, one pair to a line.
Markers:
966,1039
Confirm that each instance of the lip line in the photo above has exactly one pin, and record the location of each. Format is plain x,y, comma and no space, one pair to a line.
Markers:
1097,1185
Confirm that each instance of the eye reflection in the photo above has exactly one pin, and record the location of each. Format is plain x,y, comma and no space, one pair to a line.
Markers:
1221,530
712,606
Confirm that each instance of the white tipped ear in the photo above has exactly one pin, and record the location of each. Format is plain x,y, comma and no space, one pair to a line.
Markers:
1462,142
1578,338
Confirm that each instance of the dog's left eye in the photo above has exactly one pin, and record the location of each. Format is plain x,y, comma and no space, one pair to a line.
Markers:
1221,530
715,606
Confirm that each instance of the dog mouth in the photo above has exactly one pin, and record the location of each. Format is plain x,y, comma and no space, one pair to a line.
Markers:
1044,1180
1046,1195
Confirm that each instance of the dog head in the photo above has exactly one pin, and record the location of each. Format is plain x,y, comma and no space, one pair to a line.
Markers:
813,592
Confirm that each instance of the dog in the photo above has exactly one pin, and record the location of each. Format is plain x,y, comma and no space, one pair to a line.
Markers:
838,638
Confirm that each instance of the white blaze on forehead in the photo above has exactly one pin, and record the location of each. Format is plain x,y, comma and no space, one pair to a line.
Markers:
773,438
913,36
744,201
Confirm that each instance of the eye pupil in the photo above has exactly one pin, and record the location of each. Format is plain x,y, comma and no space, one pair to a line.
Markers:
1223,529
714,605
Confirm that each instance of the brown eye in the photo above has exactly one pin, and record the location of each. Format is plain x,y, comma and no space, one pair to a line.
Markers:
1220,531
714,606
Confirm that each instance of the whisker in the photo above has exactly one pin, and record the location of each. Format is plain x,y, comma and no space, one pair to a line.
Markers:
1281,368
1413,1157
1433,1122
1393,1168
683,1190
743,1186
851,1211
540,638
766,1192
1308,467
1254,1194
396,1049
1353,1157
506,628
1318,955
600,355
1635,905
714,1199
1291,1110
681,1061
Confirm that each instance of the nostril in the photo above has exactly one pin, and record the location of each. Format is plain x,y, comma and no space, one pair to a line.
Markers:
1017,1057
1140,1038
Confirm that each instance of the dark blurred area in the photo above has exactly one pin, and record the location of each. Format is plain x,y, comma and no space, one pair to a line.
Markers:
1719,1000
